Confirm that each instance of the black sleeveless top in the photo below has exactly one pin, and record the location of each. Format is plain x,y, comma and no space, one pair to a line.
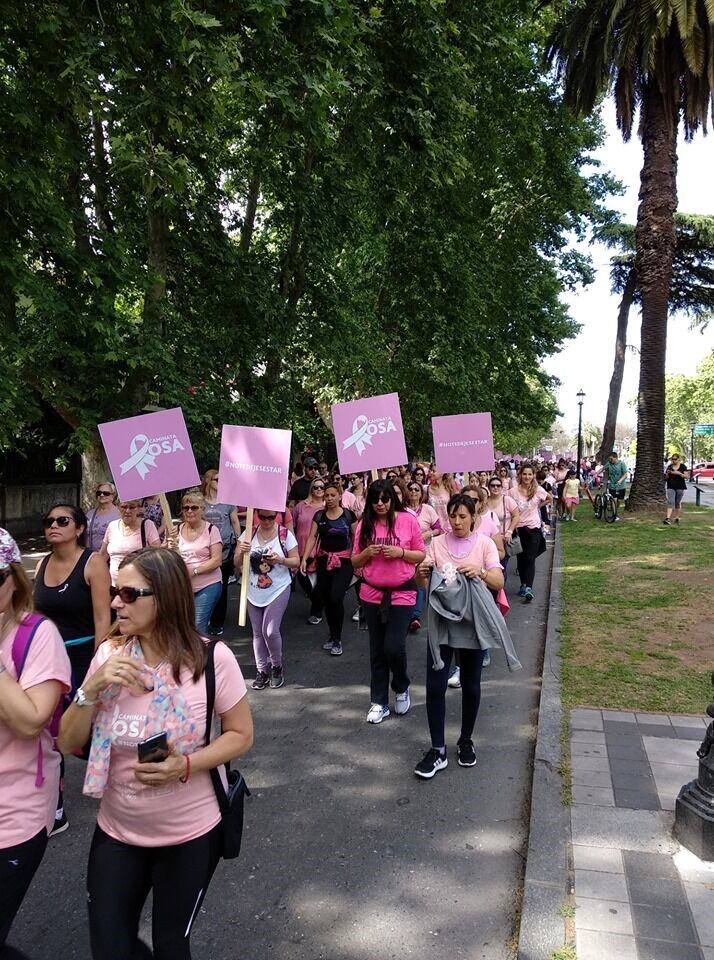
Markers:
69,605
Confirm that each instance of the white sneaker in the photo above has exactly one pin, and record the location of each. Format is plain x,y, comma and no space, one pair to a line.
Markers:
377,713
313,620
355,616
455,679
402,703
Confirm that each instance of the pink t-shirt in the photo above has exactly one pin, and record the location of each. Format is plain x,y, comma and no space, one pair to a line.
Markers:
24,808
486,525
385,572
427,517
529,509
349,502
506,507
119,545
146,816
438,501
483,553
195,552
303,515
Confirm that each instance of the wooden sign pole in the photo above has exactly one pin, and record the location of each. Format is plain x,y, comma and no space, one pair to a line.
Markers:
245,573
375,474
170,532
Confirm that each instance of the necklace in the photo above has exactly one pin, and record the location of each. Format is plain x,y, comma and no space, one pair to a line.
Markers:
452,551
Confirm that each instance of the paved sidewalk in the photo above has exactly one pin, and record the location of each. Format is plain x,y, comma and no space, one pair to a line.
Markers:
638,895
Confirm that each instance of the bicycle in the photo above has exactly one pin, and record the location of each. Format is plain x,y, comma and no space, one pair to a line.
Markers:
605,507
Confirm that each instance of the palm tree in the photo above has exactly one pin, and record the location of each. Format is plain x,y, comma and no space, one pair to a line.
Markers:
656,56
691,292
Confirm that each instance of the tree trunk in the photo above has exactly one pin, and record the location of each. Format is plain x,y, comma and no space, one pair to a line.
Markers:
618,370
95,470
654,253
251,208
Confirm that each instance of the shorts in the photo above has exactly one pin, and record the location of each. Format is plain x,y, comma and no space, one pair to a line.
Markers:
674,497
618,494
572,501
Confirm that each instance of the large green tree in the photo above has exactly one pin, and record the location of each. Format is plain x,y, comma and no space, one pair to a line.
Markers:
657,57
691,400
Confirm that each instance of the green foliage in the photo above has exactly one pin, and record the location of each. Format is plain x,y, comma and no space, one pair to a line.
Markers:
691,400
256,210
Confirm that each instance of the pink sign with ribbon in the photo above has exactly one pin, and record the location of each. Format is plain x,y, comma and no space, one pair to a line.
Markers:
149,454
254,467
463,442
369,433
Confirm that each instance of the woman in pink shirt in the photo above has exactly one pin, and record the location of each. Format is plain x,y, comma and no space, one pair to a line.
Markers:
387,546
503,510
201,546
159,824
430,526
126,535
529,496
29,764
439,490
303,514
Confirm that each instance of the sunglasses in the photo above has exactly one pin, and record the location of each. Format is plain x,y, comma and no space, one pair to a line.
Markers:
104,493
190,507
414,489
267,516
495,486
382,498
130,594
60,521
391,476
4,574
318,486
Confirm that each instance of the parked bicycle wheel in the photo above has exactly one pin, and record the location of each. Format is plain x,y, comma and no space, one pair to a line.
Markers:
598,505
610,510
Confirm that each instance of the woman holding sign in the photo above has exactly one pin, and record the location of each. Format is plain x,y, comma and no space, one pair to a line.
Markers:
200,545
388,545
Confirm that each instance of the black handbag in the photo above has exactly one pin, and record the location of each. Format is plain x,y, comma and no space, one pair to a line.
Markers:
230,801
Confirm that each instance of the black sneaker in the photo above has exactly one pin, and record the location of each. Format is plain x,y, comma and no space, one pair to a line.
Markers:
667,523
261,681
60,825
466,753
430,764
276,677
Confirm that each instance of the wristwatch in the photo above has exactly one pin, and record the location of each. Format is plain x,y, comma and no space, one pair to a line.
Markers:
483,572
195,571
82,700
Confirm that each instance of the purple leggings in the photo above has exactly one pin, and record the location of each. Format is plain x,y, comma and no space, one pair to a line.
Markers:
267,640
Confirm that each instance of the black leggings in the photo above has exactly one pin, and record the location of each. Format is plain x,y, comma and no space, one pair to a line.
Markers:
387,650
18,866
218,615
332,585
312,594
526,560
470,662
119,877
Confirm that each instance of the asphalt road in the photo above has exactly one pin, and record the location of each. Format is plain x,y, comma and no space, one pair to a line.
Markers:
346,854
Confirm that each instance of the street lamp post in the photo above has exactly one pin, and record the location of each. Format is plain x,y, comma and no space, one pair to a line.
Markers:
581,396
691,450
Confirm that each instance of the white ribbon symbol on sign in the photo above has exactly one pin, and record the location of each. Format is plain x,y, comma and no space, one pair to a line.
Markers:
140,456
359,437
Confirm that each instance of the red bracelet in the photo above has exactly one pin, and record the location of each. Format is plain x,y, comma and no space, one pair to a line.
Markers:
184,779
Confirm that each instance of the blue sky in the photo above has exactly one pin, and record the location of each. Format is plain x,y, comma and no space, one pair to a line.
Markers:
586,362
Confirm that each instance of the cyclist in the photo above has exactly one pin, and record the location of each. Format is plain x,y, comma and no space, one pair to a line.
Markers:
615,473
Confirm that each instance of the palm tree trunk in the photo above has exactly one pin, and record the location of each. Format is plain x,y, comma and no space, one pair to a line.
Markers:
618,370
654,253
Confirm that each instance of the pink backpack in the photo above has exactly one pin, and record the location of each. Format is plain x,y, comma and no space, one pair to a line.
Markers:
20,648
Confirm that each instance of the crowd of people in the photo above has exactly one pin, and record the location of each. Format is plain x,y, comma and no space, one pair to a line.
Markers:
108,654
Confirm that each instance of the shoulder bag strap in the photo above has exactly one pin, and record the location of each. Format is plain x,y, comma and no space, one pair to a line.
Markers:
23,638
143,533
210,674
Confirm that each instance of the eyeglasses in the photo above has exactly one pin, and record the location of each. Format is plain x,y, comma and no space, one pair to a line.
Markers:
267,516
104,493
62,521
190,507
130,594
4,574
128,506
382,498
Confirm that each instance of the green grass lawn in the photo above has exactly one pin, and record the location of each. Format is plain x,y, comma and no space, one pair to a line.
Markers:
638,612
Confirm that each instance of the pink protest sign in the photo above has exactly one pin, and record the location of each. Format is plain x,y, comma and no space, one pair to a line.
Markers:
369,433
149,454
463,442
254,467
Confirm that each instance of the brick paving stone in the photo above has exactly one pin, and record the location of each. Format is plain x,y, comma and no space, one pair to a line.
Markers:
670,751
668,894
590,763
606,859
708,953
617,726
701,902
636,769
592,945
597,796
656,923
596,885
684,720
637,799
664,950
607,916
619,716
629,749
592,778
587,736
690,733
652,718
587,749
657,730
586,719
658,866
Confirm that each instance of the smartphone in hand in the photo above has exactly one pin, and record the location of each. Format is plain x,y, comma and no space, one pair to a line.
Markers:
154,749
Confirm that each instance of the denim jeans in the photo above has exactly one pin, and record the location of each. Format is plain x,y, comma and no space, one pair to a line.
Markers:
418,607
205,600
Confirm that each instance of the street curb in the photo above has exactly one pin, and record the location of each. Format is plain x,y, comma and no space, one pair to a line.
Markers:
547,883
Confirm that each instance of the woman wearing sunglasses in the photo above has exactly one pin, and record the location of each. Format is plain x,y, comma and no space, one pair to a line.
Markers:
388,545
29,764
303,515
529,496
127,535
430,526
439,490
72,589
503,510
158,824
357,490
273,560
201,547
99,517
